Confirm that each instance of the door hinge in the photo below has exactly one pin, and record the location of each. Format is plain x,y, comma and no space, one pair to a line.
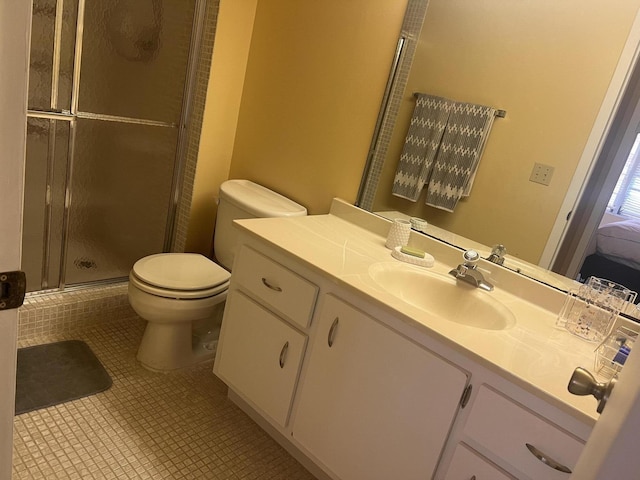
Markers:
464,399
13,286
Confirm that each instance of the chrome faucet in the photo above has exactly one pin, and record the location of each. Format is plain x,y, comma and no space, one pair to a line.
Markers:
497,254
468,271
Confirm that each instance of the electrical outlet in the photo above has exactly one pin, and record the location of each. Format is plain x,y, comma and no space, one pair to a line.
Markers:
541,174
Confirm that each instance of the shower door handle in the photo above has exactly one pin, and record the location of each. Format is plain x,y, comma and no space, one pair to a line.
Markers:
13,286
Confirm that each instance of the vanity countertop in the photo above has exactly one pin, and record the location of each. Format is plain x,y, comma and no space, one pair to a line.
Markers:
534,353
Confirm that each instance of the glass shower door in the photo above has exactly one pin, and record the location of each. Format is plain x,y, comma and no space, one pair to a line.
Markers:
132,77
44,192
105,117
53,36
121,193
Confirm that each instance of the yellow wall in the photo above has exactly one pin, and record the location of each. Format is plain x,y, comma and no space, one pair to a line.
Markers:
230,53
547,63
314,83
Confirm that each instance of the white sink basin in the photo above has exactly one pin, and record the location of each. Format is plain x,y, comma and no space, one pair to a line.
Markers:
442,296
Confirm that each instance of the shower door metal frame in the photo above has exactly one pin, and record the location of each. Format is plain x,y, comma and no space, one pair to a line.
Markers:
72,116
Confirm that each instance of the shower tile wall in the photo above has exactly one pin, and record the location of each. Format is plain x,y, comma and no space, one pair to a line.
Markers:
194,126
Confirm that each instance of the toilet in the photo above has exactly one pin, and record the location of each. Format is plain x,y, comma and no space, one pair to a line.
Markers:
181,295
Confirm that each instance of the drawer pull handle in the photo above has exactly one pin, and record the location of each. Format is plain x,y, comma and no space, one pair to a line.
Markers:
332,333
266,283
473,477
546,460
283,354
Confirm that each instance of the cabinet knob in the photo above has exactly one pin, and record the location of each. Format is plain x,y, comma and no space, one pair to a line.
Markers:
547,460
582,382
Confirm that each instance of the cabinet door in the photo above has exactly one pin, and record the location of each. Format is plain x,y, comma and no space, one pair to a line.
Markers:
259,356
469,465
373,404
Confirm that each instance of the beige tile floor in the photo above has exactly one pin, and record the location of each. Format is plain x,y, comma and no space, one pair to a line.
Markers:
146,426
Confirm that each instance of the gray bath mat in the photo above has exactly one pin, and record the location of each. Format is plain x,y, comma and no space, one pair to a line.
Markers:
56,373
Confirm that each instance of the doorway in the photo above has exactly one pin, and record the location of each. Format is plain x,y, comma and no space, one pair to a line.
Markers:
575,256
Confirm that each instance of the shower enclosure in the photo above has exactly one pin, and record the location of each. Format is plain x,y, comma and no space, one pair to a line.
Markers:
108,96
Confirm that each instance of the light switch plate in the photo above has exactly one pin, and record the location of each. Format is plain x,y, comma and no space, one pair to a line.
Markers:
541,174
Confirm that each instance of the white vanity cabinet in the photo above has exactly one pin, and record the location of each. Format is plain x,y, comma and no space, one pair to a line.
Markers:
373,404
357,392
260,349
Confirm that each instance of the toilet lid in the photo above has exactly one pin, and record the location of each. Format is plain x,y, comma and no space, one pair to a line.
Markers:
180,271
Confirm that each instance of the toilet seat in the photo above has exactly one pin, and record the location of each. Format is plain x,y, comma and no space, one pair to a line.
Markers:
179,275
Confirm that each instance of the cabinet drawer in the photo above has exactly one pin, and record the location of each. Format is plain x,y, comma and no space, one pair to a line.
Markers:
504,428
259,356
467,464
283,290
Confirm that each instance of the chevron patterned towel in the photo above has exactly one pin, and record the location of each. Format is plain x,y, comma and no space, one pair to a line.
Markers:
427,126
457,160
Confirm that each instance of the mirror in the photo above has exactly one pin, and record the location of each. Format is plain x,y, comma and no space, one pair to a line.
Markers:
550,66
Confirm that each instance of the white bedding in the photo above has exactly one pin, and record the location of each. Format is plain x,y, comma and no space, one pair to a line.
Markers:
620,242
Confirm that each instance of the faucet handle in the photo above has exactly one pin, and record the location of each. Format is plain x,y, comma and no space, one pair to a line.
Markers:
469,272
499,250
470,257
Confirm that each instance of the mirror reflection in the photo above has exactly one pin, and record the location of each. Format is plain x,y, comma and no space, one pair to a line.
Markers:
551,66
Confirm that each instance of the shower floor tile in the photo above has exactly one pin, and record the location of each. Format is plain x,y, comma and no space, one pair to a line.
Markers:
146,426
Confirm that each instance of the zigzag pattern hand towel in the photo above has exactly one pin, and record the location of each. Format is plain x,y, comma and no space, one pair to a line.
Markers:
460,151
426,130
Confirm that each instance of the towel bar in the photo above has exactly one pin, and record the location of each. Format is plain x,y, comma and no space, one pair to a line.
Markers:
499,113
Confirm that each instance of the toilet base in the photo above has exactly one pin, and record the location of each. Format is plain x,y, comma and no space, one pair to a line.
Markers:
171,346
168,341
161,351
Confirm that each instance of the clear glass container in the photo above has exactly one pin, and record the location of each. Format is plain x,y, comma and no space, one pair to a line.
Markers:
590,310
612,353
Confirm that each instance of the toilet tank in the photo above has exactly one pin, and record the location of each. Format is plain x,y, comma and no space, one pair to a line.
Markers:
245,199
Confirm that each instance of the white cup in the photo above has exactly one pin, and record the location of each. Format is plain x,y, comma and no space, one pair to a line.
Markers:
398,234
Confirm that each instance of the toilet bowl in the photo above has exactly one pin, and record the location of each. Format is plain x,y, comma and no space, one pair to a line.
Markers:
172,292
181,295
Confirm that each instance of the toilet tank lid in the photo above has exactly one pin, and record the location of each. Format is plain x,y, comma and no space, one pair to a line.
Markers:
258,200
180,271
